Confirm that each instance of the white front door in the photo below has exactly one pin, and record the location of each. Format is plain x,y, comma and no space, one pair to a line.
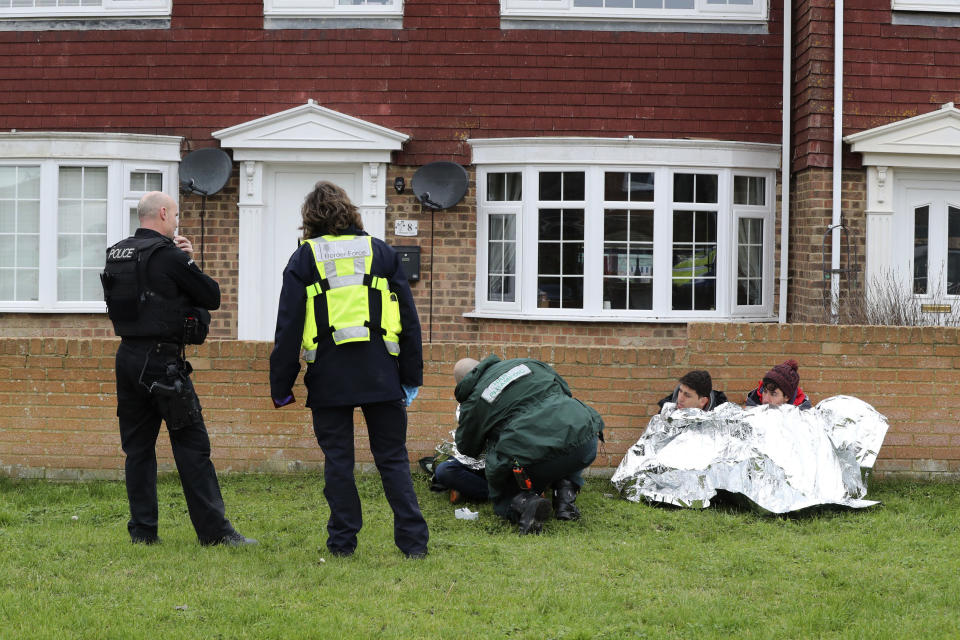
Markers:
927,236
285,187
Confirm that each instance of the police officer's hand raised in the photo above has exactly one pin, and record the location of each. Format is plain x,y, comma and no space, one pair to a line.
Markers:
184,245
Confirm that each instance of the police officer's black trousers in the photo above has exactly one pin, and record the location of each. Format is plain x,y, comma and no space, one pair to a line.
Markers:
140,414
387,430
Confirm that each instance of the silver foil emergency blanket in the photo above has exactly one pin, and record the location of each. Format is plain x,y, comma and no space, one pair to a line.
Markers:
780,459
448,449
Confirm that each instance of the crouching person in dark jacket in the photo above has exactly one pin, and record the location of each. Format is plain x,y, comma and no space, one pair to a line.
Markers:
534,434
695,391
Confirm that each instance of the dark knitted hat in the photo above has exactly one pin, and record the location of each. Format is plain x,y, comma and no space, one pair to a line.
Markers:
785,376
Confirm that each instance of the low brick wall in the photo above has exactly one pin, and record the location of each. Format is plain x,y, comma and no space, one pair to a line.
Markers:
57,401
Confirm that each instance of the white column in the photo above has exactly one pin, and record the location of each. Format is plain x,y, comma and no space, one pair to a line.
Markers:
249,277
879,214
373,199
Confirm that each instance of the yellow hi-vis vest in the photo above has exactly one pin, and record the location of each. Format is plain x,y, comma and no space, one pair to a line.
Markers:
344,265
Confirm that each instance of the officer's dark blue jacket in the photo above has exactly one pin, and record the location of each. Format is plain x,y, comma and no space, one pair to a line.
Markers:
353,373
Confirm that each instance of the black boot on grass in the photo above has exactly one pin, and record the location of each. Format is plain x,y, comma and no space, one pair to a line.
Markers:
529,511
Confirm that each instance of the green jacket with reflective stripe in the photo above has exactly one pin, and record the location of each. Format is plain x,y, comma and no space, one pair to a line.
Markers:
520,409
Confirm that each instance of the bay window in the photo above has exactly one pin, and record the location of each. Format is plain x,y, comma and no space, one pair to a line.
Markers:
63,201
640,233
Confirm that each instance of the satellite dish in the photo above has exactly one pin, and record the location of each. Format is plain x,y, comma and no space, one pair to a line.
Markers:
440,185
205,171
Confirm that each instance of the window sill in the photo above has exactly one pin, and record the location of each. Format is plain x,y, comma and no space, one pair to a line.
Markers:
554,317
552,23
98,23
11,308
387,22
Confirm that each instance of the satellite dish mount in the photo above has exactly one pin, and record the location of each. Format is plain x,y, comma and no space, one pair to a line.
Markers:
204,172
439,185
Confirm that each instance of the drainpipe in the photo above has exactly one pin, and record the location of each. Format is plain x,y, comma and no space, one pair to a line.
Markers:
837,157
786,153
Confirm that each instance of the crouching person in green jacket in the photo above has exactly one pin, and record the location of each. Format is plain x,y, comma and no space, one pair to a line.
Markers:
521,415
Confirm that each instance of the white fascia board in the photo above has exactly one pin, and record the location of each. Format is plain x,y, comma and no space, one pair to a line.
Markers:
128,146
625,151
340,156
913,161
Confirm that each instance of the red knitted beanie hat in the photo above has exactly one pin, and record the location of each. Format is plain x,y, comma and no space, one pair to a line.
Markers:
786,377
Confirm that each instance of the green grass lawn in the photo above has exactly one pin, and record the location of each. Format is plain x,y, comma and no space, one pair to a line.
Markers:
625,571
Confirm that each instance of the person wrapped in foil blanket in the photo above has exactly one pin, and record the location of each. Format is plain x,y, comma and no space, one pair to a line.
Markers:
779,459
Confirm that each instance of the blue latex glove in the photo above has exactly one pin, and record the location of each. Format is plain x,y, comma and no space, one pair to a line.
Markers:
409,394
282,403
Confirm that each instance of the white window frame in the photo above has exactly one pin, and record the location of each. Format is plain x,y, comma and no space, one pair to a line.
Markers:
106,9
120,154
662,158
766,213
702,12
948,6
328,8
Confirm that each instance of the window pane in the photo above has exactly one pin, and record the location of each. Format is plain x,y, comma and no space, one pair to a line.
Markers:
495,188
19,233
71,182
749,261
95,183
683,187
750,190
550,185
92,289
548,258
95,217
8,250
28,250
683,226
698,187
28,216
921,235
82,218
495,259
94,248
70,285
142,181
622,186
8,216
28,285
566,185
572,258
694,260
550,222
573,185
706,188
501,262
69,250
69,218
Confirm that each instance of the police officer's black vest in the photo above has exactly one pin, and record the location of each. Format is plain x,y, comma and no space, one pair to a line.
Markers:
135,310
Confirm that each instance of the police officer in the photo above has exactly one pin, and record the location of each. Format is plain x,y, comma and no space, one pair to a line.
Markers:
158,299
347,306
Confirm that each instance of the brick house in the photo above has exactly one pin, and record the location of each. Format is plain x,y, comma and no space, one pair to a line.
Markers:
625,157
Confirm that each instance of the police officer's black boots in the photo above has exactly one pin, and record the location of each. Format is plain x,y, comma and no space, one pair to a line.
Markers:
564,496
529,511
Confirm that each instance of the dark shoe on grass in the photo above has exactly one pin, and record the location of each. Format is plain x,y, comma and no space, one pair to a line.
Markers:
145,540
564,496
234,539
529,510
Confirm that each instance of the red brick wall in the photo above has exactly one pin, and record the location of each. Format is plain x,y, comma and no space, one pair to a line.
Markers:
57,404
810,217
449,74
891,72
